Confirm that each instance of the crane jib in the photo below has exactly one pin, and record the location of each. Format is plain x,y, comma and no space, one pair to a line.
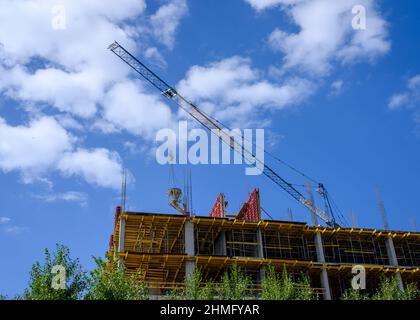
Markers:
170,93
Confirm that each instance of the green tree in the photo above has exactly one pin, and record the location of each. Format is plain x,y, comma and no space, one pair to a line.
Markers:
276,287
45,279
174,294
2,297
304,290
389,290
411,292
352,294
109,281
235,285
194,288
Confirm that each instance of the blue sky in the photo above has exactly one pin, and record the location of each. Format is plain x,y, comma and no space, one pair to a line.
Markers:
339,104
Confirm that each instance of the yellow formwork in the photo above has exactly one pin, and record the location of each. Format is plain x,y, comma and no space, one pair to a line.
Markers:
154,245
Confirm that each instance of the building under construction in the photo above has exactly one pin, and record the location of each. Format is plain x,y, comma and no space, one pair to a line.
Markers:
166,248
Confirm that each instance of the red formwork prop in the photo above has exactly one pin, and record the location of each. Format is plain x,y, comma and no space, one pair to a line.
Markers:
218,210
251,210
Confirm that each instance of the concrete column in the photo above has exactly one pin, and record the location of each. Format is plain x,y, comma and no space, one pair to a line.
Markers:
260,252
319,248
393,261
189,268
260,247
121,238
325,284
189,246
321,258
220,246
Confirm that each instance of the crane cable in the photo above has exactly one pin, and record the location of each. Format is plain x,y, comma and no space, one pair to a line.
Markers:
269,153
203,118
266,213
336,208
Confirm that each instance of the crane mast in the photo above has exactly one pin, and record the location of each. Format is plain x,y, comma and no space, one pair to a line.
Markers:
211,124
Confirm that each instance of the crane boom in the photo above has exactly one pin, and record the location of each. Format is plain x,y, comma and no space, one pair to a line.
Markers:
212,125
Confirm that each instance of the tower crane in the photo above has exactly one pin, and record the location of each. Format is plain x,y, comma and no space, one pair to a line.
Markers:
213,125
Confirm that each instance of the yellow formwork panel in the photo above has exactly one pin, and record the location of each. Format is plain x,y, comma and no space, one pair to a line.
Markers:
141,225
154,244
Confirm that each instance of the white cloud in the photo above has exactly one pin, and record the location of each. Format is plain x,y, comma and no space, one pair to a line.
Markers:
44,145
414,83
34,148
131,147
336,87
77,92
398,100
71,70
69,74
15,230
325,34
232,90
166,21
68,122
128,107
4,220
98,166
215,79
74,68
105,126
69,196
11,229
154,55
260,5
33,34
409,98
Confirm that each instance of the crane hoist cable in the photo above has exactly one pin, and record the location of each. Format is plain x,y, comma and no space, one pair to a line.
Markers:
265,211
213,126
320,187
273,156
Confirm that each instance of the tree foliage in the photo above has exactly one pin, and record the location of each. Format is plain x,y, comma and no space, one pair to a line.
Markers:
194,288
235,285
108,281
42,277
353,294
388,289
304,290
282,287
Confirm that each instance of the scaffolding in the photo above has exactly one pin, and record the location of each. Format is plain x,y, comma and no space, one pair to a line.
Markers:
157,246
408,251
355,249
152,233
